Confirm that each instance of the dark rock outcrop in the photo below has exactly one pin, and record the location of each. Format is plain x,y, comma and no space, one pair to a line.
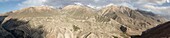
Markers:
160,31
3,32
15,28
2,18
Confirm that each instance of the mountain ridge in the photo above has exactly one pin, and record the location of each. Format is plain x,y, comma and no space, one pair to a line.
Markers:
78,21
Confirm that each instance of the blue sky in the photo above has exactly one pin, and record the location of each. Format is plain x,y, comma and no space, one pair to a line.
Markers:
6,6
157,6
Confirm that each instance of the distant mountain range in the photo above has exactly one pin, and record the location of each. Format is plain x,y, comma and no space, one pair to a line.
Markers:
76,21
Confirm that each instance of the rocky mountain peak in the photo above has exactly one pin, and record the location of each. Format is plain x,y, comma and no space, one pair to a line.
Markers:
77,8
40,8
34,9
72,6
111,7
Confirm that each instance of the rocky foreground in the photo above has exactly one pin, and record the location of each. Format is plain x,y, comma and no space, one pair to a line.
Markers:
76,21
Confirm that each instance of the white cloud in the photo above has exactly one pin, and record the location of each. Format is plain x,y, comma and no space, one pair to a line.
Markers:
163,11
3,0
168,1
77,3
141,4
29,3
151,1
8,0
127,5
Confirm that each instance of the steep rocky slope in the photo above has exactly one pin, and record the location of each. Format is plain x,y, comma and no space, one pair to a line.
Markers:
135,21
76,21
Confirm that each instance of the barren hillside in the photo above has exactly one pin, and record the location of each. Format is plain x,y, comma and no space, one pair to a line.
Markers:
76,21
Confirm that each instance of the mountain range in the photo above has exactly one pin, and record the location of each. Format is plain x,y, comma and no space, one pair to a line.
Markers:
77,21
